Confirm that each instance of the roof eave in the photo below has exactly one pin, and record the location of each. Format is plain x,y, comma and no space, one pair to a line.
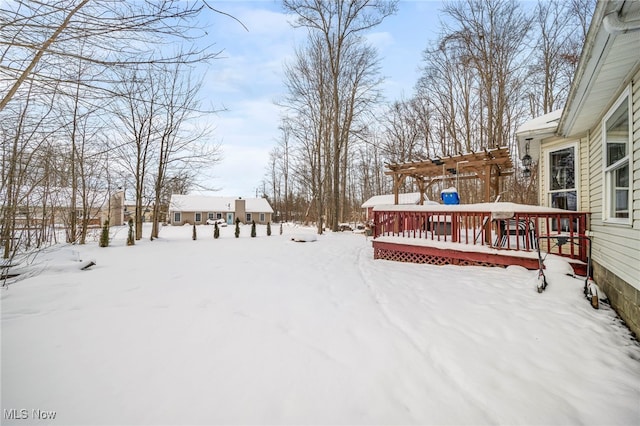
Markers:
594,53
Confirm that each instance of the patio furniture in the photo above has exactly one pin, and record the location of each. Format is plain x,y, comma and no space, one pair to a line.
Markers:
520,228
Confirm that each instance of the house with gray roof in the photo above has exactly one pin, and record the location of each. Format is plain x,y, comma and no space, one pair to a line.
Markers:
198,209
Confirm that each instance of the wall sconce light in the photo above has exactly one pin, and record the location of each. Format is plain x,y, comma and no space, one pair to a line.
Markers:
526,160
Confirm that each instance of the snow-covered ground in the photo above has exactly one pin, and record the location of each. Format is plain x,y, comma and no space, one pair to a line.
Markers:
270,331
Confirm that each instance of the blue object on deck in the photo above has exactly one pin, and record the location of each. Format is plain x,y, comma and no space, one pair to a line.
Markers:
450,197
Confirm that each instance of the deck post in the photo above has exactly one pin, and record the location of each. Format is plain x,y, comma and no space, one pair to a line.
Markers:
454,227
397,181
487,183
420,184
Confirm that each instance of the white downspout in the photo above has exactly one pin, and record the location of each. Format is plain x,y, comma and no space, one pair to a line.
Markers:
614,25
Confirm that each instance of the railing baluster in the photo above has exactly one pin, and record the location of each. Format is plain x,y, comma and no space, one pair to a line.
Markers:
447,225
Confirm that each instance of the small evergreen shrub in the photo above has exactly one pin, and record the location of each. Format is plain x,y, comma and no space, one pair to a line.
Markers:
280,228
253,229
104,237
194,235
237,228
216,231
131,238
268,229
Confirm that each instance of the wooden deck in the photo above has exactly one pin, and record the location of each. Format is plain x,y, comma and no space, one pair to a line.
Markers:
486,234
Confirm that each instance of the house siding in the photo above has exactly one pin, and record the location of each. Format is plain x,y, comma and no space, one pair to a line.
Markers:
635,107
595,174
584,152
617,247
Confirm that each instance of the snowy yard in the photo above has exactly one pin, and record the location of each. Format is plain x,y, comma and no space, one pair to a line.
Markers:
270,331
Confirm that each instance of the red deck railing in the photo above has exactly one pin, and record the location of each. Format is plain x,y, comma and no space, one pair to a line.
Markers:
559,232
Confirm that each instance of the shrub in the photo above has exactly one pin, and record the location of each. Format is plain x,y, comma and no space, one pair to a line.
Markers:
280,228
194,234
268,229
216,231
104,237
237,228
253,229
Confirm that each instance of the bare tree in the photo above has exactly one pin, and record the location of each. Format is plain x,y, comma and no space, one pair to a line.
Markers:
116,33
338,26
556,53
25,130
309,106
61,67
490,36
179,147
136,136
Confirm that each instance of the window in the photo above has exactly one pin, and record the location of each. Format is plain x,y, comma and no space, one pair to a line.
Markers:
198,217
218,215
261,217
211,216
177,217
562,179
563,193
616,132
248,217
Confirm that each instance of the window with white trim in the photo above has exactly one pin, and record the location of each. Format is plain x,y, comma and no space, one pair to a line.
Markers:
262,217
198,217
248,217
177,217
563,192
616,139
211,215
562,178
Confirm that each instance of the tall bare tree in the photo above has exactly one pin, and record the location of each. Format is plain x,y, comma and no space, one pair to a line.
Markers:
490,36
336,28
179,147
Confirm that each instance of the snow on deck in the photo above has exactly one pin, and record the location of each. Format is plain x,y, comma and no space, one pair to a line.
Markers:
476,207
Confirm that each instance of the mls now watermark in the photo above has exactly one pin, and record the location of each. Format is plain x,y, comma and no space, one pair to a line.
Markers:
24,414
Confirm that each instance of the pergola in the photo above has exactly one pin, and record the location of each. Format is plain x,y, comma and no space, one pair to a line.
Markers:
489,165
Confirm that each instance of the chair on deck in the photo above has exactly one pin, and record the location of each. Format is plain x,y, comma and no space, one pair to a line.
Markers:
521,228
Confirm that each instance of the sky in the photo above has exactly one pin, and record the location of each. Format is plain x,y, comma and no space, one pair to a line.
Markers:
247,79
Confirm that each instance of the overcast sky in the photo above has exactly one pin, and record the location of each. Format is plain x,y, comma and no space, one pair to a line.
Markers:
248,78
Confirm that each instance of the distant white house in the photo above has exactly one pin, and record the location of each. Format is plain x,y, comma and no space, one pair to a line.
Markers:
197,209
411,198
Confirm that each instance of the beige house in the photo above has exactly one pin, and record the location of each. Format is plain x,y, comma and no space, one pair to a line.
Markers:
198,209
588,153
